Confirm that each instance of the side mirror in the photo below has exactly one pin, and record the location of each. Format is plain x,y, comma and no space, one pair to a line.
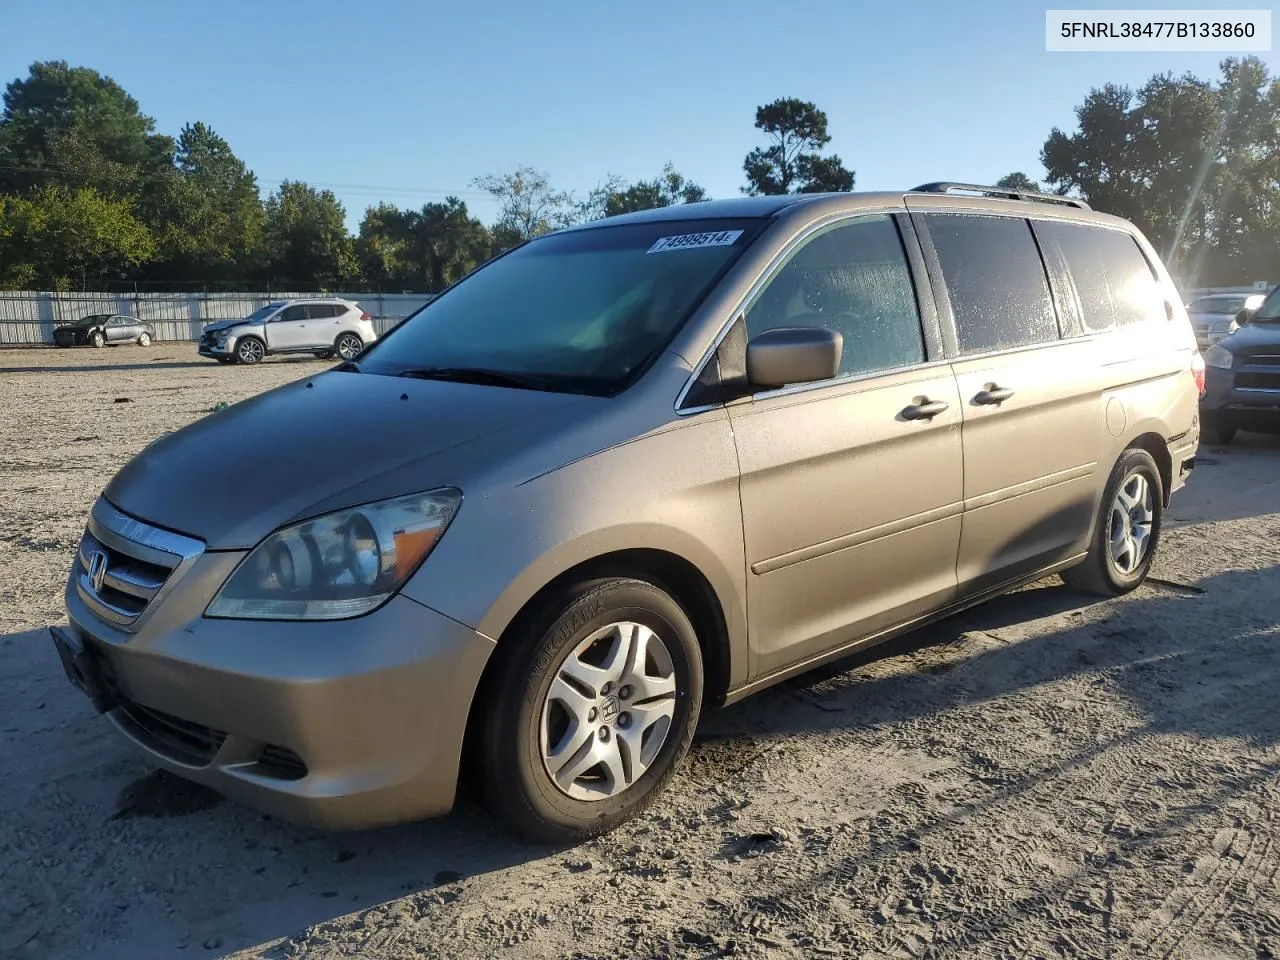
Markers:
1244,316
787,355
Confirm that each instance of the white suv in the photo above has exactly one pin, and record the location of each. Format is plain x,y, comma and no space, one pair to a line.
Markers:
323,326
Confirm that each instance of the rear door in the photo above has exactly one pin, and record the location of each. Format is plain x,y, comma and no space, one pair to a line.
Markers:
120,330
323,323
850,503
287,330
1033,417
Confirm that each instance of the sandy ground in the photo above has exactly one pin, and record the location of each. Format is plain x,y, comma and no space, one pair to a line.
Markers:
1045,776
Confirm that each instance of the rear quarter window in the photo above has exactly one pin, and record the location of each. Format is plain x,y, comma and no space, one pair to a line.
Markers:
1113,280
995,280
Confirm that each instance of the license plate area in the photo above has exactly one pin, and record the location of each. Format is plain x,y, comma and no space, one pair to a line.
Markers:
81,668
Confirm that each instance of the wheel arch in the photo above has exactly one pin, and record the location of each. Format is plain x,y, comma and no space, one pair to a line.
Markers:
1154,444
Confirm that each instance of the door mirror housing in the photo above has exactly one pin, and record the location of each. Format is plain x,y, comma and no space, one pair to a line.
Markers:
1245,315
790,355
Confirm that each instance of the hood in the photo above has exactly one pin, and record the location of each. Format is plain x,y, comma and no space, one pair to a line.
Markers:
233,477
1255,334
224,325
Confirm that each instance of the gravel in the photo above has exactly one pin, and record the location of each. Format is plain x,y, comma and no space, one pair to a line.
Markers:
1044,776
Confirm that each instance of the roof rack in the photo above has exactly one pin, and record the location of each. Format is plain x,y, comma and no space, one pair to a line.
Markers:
945,186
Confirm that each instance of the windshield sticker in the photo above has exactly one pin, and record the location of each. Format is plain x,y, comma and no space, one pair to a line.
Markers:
690,241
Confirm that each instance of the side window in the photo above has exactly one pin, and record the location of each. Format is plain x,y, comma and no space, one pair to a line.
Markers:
322,311
852,278
117,322
296,312
996,281
1115,283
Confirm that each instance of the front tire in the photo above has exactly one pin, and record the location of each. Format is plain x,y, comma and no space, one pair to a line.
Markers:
591,711
96,339
250,350
1217,430
1127,532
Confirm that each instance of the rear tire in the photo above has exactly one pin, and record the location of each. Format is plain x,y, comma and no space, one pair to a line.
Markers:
144,339
635,714
1217,430
250,350
1127,532
348,346
324,355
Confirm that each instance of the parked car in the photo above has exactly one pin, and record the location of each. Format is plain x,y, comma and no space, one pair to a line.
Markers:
1242,389
625,471
103,330
323,326
1213,316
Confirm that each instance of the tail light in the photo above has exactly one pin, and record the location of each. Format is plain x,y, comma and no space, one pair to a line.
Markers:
1197,370
364,315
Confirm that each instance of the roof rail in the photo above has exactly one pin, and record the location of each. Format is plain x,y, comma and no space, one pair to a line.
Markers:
945,186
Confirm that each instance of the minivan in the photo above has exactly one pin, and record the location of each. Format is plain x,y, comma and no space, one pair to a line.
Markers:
625,472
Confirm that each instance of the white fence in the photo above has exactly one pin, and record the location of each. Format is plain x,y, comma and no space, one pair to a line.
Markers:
28,317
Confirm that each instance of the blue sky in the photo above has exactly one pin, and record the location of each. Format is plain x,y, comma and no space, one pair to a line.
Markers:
408,102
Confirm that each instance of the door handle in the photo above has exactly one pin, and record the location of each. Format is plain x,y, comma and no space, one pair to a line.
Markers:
992,394
926,409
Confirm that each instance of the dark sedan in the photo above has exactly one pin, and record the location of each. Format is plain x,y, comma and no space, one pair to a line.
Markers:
103,329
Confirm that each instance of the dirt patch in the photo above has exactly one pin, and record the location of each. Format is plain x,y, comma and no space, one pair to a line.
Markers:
1043,776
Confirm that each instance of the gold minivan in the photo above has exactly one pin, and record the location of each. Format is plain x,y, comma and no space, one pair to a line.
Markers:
623,472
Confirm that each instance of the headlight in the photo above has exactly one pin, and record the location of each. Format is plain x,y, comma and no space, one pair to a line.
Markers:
1218,356
341,565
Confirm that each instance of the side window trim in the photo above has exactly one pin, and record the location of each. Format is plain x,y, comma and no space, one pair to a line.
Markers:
1062,286
932,330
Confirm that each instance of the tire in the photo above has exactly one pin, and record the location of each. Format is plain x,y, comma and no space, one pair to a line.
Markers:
348,346
324,355
1217,430
520,710
225,360
144,339
250,350
1101,573
96,339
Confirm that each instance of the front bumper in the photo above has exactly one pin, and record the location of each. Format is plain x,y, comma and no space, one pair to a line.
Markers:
341,724
213,350
1246,407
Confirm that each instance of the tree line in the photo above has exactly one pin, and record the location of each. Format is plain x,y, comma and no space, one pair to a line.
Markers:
91,196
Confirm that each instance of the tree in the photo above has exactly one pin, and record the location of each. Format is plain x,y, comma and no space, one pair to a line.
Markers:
615,196
305,232
792,163
1018,181
529,207
75,127
60,237
425,249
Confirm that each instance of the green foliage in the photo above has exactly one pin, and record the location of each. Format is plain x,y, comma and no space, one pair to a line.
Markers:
425,249
528,206
306,236
792,163
1018,181
615,196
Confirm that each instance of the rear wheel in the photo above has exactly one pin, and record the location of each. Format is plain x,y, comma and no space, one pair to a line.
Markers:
324,355
590,712
250,350
144,339
1217,429
1127,531
349,346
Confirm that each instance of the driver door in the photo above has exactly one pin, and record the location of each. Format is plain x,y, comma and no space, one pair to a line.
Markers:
287,330
118,329
851,499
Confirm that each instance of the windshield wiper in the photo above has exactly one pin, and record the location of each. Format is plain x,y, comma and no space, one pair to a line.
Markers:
492,378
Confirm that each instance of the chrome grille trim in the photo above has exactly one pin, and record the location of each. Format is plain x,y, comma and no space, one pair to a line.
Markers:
146,563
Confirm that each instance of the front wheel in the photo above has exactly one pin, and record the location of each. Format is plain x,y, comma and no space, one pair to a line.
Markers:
250,350
97,339
591,712
1127,531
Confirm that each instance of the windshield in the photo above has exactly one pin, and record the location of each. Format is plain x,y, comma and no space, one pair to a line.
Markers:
263,312
583,311
1269,312
1222,305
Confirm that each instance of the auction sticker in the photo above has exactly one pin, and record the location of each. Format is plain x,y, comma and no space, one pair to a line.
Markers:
690,241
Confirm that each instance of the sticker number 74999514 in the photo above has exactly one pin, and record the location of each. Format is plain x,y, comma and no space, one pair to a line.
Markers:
687,241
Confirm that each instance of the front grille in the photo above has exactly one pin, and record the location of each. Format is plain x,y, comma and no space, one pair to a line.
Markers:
1258,381
123,564
1269,359
281,762
181,740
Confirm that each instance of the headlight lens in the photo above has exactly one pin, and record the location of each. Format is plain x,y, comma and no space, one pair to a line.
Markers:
1218,356
341,565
